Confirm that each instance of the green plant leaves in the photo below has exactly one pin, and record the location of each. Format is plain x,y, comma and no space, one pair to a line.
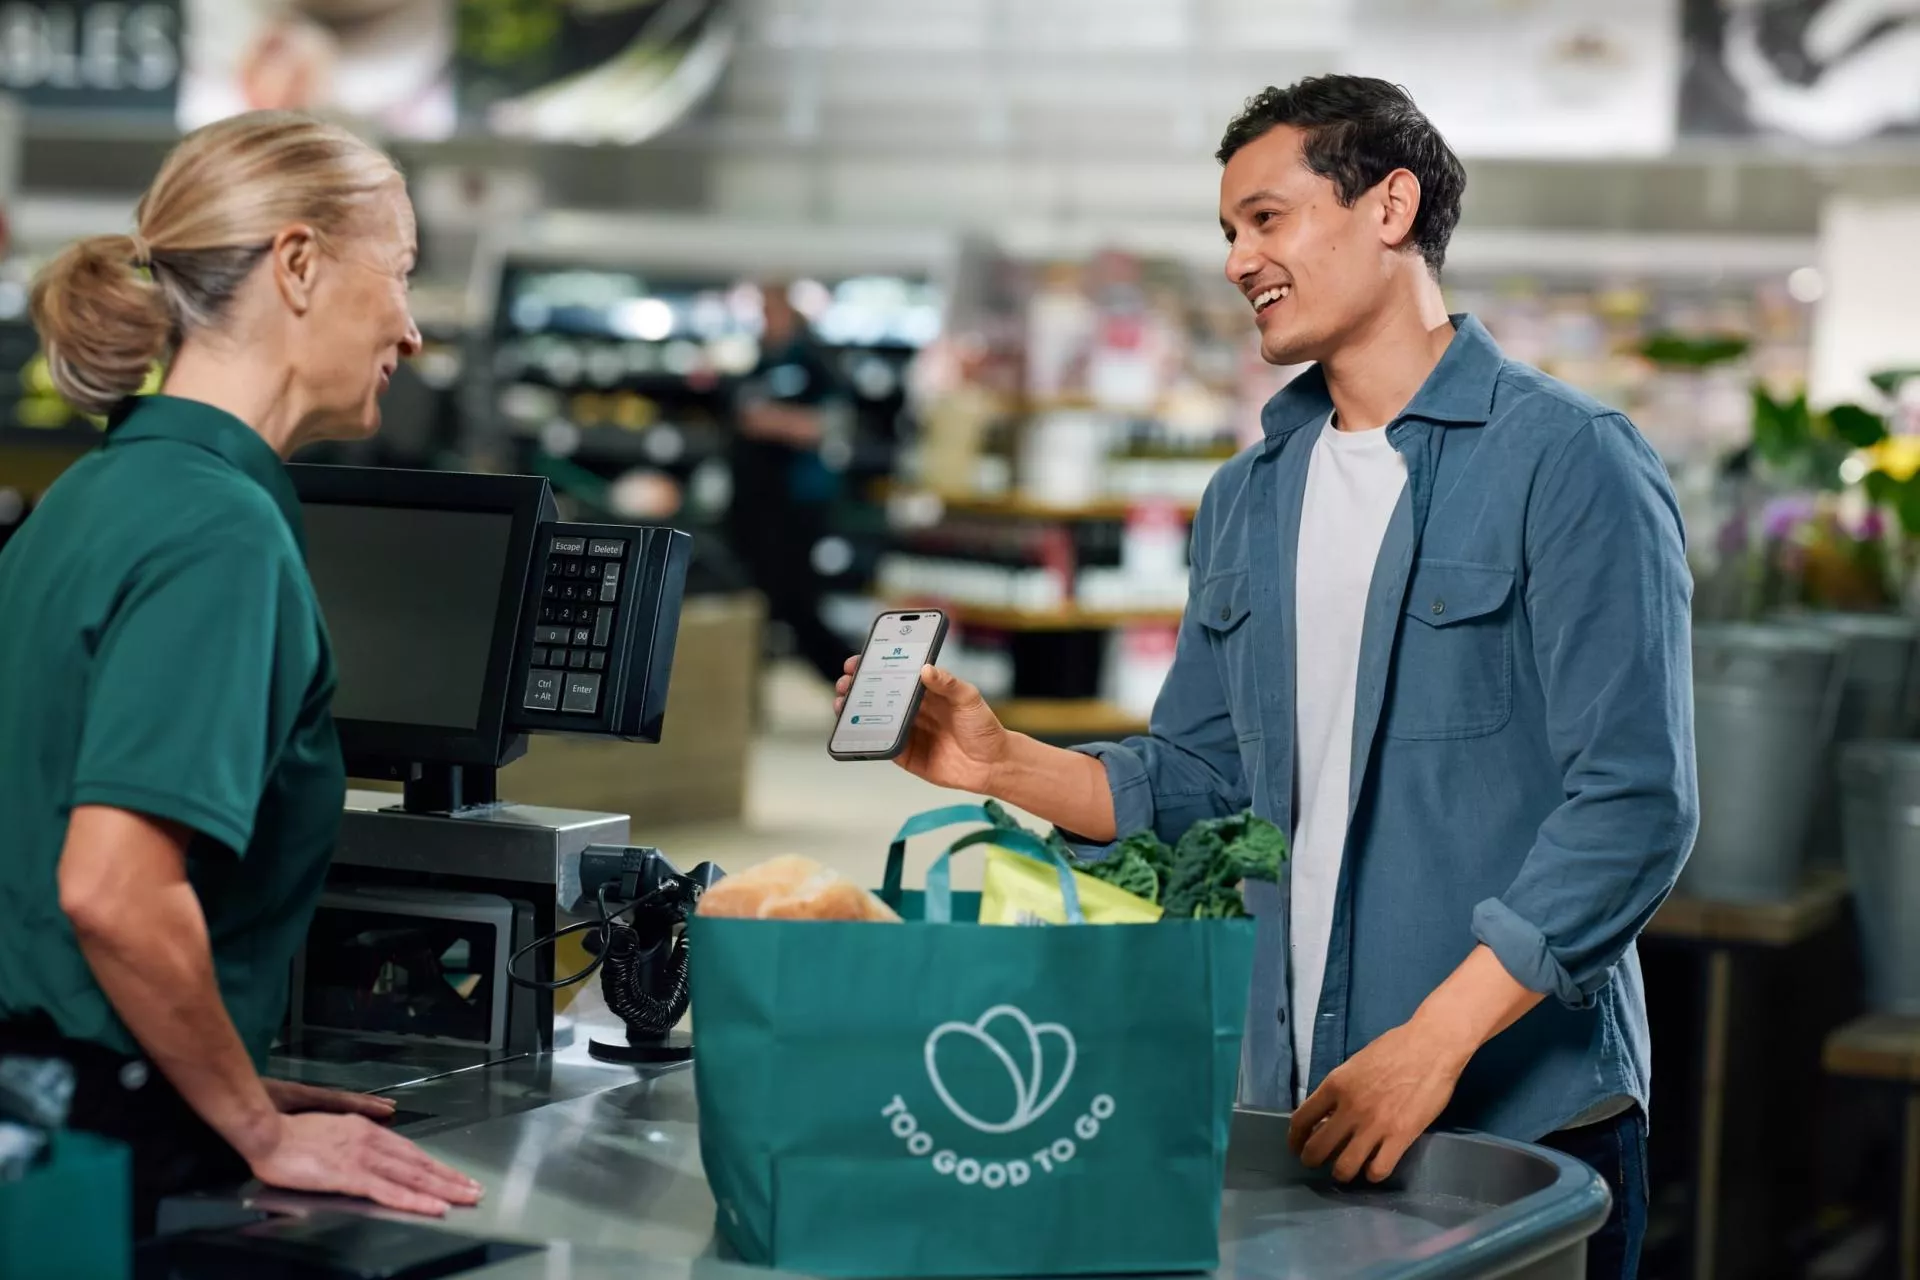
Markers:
502,32
1889,381
1782,429
1883,490
1808,447
1861,428
1678,351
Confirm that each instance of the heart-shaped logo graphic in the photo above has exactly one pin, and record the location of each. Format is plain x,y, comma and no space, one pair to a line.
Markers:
1027,1084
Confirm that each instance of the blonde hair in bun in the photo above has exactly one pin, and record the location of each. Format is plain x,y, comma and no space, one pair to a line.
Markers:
109,307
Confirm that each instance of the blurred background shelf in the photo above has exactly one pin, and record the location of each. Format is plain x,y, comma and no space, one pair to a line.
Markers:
1016,507
1068,619
68,439
1068,718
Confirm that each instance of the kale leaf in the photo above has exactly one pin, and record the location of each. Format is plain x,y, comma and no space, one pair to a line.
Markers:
1138,864
1212,859
1199,878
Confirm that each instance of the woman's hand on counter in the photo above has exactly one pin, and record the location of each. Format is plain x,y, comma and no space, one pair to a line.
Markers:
291,1098
351,1155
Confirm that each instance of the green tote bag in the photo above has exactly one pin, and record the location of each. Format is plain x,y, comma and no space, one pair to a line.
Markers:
942,1098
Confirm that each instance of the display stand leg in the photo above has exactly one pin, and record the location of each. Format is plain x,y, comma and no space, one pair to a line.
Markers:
449,788
1910,1190
1713,1100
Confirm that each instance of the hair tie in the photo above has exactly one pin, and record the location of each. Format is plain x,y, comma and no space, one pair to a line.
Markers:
142,251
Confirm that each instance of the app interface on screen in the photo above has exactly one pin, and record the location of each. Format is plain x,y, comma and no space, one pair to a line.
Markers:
883,689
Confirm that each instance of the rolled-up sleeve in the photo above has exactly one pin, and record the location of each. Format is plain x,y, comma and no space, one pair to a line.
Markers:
1187,766
1609,599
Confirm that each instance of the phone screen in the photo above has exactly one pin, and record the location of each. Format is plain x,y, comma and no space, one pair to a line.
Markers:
882,693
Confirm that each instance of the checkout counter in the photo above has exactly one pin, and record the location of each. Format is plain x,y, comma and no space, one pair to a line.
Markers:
465,618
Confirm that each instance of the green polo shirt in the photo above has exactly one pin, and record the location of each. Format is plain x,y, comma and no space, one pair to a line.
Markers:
161,651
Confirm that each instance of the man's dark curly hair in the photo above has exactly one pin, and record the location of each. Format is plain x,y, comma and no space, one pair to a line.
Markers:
1358,130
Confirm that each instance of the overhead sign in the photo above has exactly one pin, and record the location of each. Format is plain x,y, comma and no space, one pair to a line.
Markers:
1530,79
91,54
1822,72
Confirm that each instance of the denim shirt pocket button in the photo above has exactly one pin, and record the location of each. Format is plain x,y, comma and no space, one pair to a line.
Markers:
1453,665
1225,601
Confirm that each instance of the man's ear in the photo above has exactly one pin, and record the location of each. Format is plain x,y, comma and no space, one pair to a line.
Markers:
1399,206
295,254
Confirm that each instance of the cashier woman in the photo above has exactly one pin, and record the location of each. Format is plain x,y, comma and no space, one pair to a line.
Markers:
169,775
1437,629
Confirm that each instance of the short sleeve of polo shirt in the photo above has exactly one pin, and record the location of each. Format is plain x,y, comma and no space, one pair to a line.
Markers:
190,686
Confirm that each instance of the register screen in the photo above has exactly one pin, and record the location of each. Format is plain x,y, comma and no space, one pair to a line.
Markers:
883,690
410,597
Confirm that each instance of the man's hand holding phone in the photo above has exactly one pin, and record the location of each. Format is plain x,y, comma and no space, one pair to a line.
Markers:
955,740
937,727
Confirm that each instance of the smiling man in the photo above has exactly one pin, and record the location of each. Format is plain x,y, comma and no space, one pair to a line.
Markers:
1438,628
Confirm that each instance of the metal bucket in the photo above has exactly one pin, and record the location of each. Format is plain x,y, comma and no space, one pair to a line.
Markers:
1876,703
1880,790
1765,698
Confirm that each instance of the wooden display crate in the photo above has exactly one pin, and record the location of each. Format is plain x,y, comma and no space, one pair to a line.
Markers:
698,771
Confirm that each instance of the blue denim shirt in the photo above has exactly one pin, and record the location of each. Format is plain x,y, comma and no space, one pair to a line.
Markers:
1523,769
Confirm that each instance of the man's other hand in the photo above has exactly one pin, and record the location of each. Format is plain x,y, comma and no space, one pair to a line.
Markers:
1368,1110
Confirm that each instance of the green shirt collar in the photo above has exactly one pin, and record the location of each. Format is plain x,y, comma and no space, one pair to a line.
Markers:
162,417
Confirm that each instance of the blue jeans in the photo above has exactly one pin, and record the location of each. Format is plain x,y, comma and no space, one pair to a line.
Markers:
1616,1149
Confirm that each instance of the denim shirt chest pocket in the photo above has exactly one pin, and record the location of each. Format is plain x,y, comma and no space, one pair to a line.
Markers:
1226,602
1453,672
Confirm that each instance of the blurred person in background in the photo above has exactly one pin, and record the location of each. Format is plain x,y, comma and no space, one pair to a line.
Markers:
169,770
1437,630
790,410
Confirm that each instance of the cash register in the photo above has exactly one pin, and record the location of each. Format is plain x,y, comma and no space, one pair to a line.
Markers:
464,617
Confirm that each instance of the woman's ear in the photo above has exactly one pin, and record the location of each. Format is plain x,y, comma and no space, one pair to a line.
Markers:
295,254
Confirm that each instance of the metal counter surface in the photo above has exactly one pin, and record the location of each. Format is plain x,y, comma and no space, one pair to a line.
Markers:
586,1154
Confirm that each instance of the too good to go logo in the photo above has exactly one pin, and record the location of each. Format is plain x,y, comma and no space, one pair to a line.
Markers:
1049,1054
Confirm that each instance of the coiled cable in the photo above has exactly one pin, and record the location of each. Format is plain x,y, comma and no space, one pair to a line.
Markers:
649,1000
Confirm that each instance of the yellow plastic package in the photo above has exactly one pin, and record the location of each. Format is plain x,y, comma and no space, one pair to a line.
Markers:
1016,889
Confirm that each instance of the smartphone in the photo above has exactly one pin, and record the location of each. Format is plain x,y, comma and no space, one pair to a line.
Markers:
886,691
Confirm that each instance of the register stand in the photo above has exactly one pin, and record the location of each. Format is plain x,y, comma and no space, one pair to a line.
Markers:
465,616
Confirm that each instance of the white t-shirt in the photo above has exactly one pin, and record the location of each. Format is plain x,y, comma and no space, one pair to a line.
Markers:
1354,481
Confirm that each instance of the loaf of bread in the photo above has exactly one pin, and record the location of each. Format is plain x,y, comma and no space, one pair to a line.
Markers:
792,888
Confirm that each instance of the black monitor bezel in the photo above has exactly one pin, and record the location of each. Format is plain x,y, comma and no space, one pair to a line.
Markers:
383,749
